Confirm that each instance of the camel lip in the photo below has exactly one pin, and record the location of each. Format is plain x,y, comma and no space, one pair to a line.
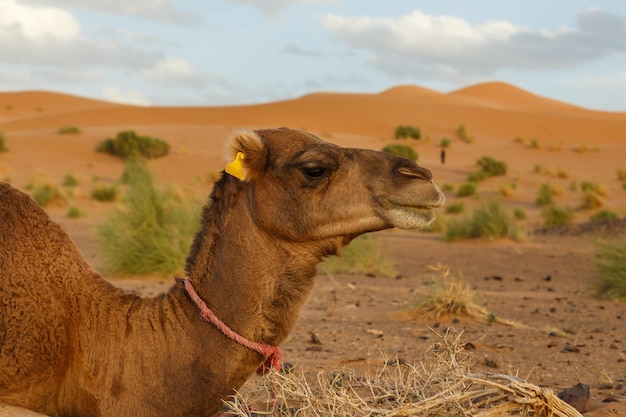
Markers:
423,206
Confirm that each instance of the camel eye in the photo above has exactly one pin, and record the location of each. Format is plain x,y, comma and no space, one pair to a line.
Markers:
314,172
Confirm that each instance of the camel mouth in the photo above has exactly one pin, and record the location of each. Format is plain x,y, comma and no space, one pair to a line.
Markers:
406,216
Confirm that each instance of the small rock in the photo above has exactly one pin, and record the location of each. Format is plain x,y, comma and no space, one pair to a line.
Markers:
491,363
576,396
570,348
315,339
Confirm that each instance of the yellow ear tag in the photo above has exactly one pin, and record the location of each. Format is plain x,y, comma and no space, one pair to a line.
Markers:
235,168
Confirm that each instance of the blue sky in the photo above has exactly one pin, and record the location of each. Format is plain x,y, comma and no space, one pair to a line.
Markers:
229,52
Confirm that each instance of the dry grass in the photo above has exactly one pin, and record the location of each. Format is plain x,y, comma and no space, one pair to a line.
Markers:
442,384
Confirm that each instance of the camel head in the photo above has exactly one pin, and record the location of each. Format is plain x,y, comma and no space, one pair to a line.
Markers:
301,188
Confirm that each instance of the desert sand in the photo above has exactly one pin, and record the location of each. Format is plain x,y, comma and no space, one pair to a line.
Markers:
543,282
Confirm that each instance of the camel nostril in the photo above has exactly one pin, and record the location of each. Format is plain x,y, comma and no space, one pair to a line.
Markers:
415,171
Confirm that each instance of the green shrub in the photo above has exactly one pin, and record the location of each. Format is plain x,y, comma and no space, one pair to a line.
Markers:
105,193
519,214
68,130
404,151
46,194
446,188
3,145
589,186
407,132
463,135
611,267
152,234
591,201
554,216
128,143
492,167
477,176
69,180
362,256
75,212
488,222
455,208
466,190
621,174
534,143
545,197
604,215
445,142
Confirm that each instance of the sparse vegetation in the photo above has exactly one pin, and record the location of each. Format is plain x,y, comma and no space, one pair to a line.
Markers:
554,216
362,256
69,180
508,190
492,167
611,267
105,193
446,188
519,214
404,151
455,208
621,174
46,193
477,176
3,144
594,187
406,131
604,215
69,130
75,212
467,189
488,222
591,201
461,132
545,197
152,234
534,143
445,142
128,144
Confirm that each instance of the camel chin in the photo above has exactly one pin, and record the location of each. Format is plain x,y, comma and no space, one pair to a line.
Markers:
407,217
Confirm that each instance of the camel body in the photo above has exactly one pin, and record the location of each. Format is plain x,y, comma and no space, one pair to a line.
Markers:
72,344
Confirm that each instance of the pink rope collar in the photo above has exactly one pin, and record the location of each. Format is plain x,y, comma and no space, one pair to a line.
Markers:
272,354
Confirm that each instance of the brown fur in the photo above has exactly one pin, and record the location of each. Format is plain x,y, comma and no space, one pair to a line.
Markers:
71,344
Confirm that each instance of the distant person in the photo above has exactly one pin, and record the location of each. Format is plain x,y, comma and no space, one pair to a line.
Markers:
443,156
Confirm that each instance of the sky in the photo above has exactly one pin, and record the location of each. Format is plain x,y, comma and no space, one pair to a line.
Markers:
233,52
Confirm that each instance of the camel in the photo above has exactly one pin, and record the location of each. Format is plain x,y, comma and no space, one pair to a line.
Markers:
72,344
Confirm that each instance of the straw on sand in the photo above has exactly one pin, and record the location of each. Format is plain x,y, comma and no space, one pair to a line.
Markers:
440,385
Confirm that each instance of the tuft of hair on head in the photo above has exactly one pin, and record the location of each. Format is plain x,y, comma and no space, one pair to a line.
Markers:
250,144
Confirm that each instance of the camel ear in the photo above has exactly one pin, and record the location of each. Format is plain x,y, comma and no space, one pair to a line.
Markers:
248,154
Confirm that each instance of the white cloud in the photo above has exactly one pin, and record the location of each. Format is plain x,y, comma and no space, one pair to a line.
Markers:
36,23
170,70
450,47
115,94
160,10
273,8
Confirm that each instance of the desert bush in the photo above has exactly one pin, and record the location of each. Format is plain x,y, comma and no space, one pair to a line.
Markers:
3,144
545,196
69,180
599,189
46,193
492,167
591,201
563,174
455,208
461,132
466,190
154,230
554,216
404,151
508,190
604,215
105,193
621,174
75,212
477,176
68,130
446,188
438,225
488,222
362,256
519,214
128,143
611,267
445,142
534,144
405,131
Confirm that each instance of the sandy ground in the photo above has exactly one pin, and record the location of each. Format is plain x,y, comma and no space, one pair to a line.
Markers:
563,333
